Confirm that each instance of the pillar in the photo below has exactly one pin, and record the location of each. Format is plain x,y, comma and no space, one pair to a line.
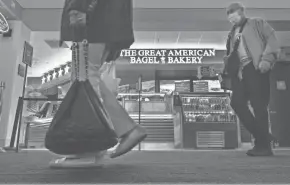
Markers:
11,50
157,83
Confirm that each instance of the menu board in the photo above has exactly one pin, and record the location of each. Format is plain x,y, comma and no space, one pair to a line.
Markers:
200,86
207,71
182,86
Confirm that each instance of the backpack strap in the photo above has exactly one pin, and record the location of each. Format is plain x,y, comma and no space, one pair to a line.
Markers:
231,35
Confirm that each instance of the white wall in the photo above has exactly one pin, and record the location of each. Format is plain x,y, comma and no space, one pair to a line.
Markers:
11,50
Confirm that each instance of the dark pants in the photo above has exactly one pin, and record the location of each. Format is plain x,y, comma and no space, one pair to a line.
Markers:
254,87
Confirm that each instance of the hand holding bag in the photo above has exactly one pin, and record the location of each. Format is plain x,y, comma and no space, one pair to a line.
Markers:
81,124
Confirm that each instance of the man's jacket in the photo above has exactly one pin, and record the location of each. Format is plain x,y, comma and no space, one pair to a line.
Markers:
260,41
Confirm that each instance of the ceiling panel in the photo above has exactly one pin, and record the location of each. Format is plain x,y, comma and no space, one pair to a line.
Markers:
145,35
165,19
190,37
213,37
167,37
168,3
41,3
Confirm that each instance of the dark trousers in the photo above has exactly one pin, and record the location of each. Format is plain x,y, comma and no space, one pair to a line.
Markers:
254,87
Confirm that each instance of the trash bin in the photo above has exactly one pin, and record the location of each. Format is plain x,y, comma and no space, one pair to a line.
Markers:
280,102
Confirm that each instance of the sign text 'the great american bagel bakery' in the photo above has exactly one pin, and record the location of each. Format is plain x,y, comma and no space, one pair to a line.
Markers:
167,56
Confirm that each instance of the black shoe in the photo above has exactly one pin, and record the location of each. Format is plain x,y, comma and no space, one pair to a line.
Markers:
260,152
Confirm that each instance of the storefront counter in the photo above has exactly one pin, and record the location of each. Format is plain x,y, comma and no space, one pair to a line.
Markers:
207,121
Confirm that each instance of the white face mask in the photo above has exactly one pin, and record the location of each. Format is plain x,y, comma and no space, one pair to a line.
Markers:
234,17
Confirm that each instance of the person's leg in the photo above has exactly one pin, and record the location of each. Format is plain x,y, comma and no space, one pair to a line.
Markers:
258,87
126,129
98,54
239,103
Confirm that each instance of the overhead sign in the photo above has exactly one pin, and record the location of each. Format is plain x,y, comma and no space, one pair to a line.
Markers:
205,71
4,26
167,56
27,54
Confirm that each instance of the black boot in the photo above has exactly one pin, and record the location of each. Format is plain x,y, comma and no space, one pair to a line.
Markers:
273,142
259,151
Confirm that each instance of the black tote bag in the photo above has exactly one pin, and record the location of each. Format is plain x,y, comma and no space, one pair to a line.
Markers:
81,124
232,63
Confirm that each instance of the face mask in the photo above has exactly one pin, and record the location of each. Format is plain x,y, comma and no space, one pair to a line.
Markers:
234,18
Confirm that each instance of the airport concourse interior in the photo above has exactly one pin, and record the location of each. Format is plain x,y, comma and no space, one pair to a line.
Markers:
170,82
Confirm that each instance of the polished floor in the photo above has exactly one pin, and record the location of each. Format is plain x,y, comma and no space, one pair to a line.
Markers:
152,167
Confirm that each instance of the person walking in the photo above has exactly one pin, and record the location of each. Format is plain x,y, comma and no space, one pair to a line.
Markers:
108,29
254,49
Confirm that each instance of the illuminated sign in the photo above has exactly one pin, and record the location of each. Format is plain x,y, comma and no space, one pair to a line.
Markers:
167,56
4,27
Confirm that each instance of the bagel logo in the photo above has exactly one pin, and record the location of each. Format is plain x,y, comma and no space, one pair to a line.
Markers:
4,27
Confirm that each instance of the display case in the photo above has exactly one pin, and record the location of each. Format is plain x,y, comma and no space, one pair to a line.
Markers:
208,121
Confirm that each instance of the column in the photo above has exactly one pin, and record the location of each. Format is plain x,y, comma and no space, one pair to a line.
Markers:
157,83
11,50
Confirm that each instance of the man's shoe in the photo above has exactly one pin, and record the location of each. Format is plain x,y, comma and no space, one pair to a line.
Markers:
129,141
260,152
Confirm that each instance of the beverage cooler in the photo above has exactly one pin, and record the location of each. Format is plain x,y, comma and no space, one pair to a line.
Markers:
208,121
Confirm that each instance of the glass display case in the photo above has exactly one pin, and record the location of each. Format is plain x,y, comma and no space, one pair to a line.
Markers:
151,103
207,108
208,121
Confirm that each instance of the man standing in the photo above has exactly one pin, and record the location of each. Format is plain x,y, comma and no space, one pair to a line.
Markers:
257,50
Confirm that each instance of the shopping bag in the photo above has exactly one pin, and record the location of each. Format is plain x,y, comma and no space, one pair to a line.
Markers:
81,124
108,75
